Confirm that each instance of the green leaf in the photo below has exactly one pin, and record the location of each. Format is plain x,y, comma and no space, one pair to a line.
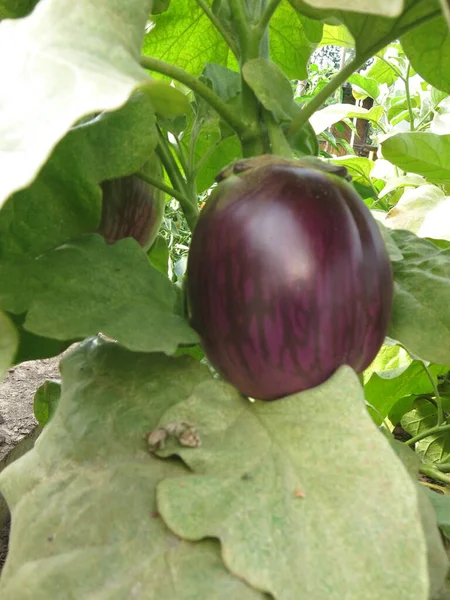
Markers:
9,341
366,84
268,480
224,82
394,375
425,153
441,504
84,59
183,35
271,86
358,167
386,8
46,400
159,255
392,249
87,286
423,416
322,119
64,201
85,494
421,312
337,35
381,72
293,38
428,49
424,210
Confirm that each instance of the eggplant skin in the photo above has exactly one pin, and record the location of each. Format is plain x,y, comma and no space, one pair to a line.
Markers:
130,208
288,278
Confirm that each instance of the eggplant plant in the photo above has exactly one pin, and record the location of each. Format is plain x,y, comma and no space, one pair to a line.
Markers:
277,272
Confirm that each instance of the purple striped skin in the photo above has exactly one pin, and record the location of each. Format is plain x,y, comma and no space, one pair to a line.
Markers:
130,208
288,278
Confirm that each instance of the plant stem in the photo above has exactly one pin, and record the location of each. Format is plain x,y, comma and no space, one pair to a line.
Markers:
408,97
240,19
227,113
424,434
434,473
157,183
440,407
220,28
266,16
278,142
188,204
444,467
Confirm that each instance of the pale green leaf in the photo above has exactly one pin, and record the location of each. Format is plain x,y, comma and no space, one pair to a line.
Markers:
322,119
368,86
336,35
385,8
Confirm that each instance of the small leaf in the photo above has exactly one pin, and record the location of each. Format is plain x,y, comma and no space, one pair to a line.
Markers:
423,416
322,119
368,85
9,341
87,287
425,153
262,486
46,400
421,311
271,86
159,255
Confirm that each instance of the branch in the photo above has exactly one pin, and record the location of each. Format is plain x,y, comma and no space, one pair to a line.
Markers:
226,112
266,16
157,183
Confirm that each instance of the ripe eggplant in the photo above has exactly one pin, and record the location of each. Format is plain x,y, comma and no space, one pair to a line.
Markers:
131,208
288,277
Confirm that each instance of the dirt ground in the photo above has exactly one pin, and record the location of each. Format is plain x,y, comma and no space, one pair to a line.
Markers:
17,422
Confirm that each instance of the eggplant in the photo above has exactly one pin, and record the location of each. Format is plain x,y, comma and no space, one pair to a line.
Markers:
131,208
288,277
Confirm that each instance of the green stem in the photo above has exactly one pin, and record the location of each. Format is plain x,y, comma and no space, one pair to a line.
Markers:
278,142
227,113
240,19
440,407
434,473
408,97
424,434
157,183
352,66
188,204
444,467
220,28
266,16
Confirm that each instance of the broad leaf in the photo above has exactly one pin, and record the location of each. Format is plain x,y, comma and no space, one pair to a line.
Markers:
441,504
428,49
86,287
85,495
65,61
358,167
271,86
386,8
337,35
381,72
424,210
394,375
262,486
322,119
425,153
421,312
423,416
9,341
364,86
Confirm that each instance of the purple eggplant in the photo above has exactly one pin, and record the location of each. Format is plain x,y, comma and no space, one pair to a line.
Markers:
288,277
131,208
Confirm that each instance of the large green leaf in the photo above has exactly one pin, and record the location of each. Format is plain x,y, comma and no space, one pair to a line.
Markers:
421,312
65,61
9,340
322,119
394,375
337,35
85,521
428,49
280,483
422,417
86,287
64,200
425,153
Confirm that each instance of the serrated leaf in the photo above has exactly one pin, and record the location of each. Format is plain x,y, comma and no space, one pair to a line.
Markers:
425,153
421,312
262,486
9,341
88,286
66,61
322,119
46,400
85,495
271,86
428,49
424,210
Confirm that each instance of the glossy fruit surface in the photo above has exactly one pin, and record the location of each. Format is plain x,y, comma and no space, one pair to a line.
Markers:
131,208
288,278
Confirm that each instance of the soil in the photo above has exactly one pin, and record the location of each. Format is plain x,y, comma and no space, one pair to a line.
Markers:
17,422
